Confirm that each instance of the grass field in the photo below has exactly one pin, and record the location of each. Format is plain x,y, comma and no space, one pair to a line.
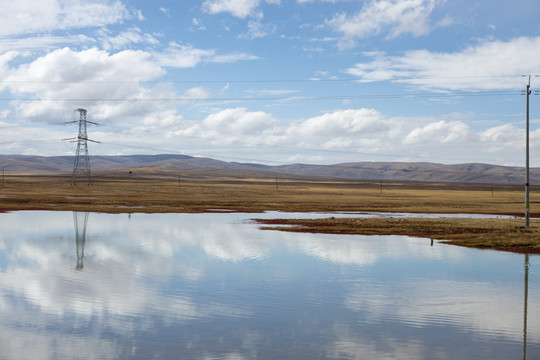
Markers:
155,192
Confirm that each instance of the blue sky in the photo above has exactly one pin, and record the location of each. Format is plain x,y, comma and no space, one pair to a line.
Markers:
273,81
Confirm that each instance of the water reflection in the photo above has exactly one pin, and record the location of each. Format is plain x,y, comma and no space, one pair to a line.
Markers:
211,286
525,304
80,221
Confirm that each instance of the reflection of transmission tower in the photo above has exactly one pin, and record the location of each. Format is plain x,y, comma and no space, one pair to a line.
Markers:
81,167
80,236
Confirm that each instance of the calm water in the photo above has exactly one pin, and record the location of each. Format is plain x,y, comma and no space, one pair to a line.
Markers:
213,286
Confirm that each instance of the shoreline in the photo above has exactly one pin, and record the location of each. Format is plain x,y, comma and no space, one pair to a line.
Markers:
485,233
164,193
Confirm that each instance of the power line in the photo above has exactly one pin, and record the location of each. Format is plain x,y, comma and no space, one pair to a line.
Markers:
232,81
278,98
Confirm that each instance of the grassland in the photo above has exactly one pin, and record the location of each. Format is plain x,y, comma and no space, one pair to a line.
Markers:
155,192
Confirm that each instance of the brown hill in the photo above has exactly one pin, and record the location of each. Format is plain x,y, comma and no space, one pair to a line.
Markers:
400,171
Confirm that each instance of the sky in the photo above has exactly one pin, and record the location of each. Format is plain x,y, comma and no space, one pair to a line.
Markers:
273,81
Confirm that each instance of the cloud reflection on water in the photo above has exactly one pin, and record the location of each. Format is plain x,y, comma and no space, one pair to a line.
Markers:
152,271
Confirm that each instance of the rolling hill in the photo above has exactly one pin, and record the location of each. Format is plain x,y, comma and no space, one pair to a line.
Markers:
401,171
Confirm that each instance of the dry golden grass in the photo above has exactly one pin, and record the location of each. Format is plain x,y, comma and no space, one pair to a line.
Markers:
166,194
153,192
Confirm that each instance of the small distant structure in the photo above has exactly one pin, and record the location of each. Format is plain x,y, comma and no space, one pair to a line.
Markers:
81,167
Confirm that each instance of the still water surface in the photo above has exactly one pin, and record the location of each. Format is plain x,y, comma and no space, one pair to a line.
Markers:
213,286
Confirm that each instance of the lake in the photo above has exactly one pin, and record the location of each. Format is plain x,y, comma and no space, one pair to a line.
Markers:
214,286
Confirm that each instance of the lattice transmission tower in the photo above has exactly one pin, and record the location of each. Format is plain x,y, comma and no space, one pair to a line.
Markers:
81,167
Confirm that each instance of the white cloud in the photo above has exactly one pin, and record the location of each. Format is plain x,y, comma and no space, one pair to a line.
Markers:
439,132
233,57
237,123
67,65
355,131
334,130
160,119
395,17
43,42
198,24
506,136
31,16
256,29
89,77
485,66
347,123
165,11
183,56
272,92
310,1
125,39
113,87
196,93
186,56
237,8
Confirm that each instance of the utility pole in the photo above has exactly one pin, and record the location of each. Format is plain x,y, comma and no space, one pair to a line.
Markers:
527,201
81,167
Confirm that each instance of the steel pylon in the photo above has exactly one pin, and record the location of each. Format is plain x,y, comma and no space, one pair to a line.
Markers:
81,167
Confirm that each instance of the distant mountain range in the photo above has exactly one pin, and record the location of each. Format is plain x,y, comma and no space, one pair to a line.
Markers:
401,171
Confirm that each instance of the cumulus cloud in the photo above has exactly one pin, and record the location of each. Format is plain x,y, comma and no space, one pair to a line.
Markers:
239,120
488,65
97,78
339,129
233,125
112,84
67,65
65,77
507,136
439,132
340,134
342,123
394,17
30,16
